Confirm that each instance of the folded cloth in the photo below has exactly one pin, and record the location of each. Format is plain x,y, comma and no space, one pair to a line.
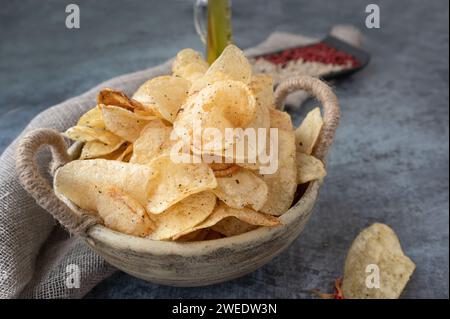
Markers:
38,258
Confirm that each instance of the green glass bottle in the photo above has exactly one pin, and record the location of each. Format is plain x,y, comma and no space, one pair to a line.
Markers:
219,28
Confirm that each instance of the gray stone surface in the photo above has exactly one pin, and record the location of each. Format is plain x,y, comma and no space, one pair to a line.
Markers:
390,161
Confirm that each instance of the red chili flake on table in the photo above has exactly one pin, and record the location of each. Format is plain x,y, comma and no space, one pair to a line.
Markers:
319,52
337,291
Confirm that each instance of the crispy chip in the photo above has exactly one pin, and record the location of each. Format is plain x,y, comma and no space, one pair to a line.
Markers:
186,57
124,123
308,132
232,62
242,189
184,215
177,181
189,64
222,105
376,245
309,168
192,72
117,98
261,120
94,149
280,120
282,184
217,118
163,95
231,101
153,142
231,226
123,213
88,134
247,215
230,65
81,181
92,118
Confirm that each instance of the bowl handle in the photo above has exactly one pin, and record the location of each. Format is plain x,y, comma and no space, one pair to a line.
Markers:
327,98
38,187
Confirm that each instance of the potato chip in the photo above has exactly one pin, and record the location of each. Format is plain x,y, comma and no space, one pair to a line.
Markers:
123,213
94,149
280,120
92,118
229,100
242,189
261,120
183,215
222,105
309,168
231,226
230,65
177,181
124,123
185,57
283,183
308,132
192,72
262,87
377,245
82,181
153,141
222,211
189,64
163,95
88,134
232,62
223,147
117,98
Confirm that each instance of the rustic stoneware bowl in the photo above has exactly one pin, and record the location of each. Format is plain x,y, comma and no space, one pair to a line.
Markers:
172,263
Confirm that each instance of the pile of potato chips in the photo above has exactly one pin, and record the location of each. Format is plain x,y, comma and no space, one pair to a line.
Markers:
125,173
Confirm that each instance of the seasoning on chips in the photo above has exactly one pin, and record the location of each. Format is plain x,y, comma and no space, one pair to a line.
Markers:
127,175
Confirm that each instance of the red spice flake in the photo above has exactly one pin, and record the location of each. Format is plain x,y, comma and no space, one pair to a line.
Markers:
319,52
337,291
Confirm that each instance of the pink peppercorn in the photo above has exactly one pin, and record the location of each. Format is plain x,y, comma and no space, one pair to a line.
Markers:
319,52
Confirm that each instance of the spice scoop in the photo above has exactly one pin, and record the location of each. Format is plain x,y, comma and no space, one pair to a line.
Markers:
327,59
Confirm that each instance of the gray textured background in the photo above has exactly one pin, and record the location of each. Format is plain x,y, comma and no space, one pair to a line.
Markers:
390,161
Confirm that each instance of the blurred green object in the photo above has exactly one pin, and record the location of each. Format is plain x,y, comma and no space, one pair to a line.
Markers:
218,32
